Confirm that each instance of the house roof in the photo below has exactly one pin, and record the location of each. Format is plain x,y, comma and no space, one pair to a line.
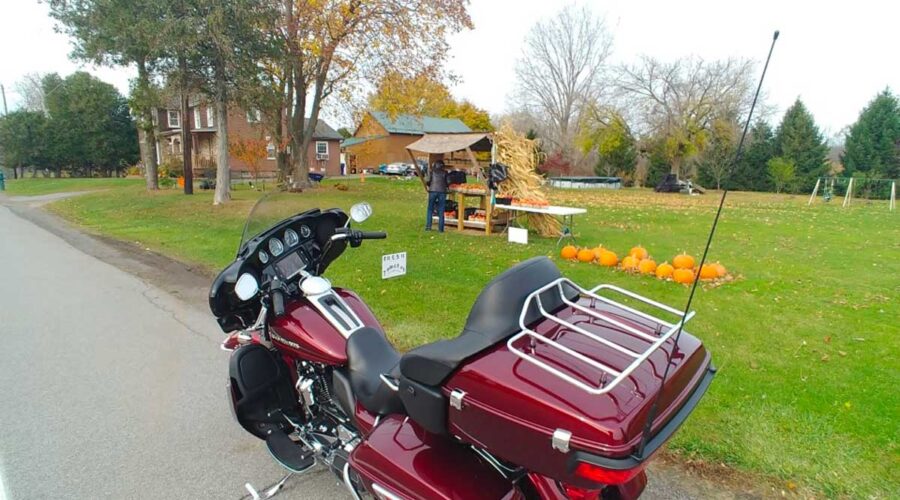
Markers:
353,141
323,131
418,125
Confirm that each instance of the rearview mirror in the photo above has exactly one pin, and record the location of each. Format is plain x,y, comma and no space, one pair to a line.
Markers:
246,287
361,211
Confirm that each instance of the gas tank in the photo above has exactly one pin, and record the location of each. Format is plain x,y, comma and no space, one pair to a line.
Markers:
305,333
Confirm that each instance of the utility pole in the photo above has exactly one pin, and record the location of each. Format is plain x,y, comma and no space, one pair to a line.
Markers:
3,91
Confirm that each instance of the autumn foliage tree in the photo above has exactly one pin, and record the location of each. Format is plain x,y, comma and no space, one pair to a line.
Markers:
325,48
425,95
249,151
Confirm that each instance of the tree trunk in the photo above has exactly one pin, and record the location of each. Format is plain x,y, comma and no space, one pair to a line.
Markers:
223,169
186,128
146,129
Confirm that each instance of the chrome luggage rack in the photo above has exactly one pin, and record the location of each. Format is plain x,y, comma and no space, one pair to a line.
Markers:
665,329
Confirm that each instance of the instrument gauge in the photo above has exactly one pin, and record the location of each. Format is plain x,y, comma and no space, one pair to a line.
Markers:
305,231
263,257
291,238
276,247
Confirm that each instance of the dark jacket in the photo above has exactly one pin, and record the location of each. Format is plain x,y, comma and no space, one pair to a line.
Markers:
436,179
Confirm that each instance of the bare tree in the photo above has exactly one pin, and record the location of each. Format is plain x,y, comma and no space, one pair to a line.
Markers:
31,90
679,102
562,70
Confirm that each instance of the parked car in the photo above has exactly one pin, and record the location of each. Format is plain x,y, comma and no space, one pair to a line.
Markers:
397,168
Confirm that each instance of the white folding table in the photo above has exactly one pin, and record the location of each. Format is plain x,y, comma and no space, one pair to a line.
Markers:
566,215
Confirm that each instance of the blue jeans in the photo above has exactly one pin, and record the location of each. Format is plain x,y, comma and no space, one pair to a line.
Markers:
441,200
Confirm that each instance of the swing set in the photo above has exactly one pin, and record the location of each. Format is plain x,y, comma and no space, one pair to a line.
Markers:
853,187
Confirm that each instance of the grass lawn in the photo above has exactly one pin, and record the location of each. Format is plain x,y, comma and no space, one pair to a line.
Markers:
806,338
39,186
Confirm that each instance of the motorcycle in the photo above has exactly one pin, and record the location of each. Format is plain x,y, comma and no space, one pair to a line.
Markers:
551,391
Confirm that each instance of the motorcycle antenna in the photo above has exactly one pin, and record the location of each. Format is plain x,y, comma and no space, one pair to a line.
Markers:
648,424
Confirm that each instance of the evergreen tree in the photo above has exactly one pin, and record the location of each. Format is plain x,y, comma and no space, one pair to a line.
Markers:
873,145
751,173
798,139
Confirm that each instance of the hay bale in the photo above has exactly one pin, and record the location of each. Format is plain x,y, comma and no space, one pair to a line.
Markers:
520,156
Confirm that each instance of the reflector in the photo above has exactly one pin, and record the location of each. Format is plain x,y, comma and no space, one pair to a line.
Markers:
606,476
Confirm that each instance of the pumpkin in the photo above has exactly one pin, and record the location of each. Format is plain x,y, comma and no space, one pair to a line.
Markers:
720,269
685,276
598,251
708,272
664,270
630,263
568,252
585,255
608,258
639,253
647,266
683,261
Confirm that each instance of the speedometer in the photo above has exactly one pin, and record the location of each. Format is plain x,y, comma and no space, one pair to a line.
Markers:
276,247
263,257
291,238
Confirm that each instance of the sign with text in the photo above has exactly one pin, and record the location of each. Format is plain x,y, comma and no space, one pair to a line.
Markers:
518,235
393,265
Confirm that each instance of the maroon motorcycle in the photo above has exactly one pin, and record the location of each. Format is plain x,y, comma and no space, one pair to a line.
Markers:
551,390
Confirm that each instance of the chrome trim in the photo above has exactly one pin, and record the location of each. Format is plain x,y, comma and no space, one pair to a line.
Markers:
456,398
560,441
348,483
347,314
391,383
383,493
664,329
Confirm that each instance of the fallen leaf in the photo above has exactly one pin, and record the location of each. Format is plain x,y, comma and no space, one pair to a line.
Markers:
842,353
754,365
827,339
824,358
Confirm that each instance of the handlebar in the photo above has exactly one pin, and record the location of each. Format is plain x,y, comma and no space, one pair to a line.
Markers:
278,302
372,235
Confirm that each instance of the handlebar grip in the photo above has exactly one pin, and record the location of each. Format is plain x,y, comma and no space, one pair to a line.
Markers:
278,302
373,235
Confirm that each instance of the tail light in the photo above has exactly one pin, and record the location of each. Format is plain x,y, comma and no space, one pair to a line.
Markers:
576,493
601,475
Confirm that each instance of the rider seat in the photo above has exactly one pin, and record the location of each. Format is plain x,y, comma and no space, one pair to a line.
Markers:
494,318
370,355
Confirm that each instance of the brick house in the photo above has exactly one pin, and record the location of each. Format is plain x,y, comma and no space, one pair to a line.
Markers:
379,139
324,149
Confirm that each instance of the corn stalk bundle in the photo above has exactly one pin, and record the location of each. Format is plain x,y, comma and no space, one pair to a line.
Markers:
519,154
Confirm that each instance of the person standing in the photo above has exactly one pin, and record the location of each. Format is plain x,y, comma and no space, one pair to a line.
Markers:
436,182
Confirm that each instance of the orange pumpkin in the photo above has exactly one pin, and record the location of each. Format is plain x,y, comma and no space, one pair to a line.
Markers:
630,263
597,251
568,252
708,272
647,266
639,253
683,261
685,276
608,258
720,269
585,255
664,270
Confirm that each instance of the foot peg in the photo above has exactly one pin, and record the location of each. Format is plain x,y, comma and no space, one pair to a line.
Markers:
292,456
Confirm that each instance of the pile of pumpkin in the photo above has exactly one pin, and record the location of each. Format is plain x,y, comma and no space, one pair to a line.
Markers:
683,268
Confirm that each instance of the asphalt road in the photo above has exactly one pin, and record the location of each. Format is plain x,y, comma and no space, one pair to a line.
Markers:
113,388
112,384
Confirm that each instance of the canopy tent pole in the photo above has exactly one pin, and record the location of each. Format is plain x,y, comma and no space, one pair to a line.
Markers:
419,173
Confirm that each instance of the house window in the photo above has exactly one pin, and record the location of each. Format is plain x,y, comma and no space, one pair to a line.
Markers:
210,117
321,149
174,119
270,151
197,122
254,116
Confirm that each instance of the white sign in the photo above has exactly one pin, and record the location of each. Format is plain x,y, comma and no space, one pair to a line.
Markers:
518,235
393,265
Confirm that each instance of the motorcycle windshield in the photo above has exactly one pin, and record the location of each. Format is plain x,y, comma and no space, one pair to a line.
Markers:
274,208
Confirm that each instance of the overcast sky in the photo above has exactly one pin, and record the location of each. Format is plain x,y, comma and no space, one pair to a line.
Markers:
834,55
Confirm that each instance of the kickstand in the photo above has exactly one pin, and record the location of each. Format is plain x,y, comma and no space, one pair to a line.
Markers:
268,491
